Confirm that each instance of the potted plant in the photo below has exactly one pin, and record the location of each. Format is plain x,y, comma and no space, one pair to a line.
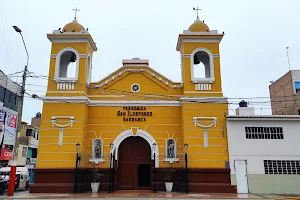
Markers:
169,180
96,176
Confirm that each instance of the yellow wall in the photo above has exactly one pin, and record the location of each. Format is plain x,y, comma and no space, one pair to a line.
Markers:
102,121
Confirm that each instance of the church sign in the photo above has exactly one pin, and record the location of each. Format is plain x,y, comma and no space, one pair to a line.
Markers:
134,113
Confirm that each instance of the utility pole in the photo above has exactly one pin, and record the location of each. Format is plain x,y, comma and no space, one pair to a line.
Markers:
12,177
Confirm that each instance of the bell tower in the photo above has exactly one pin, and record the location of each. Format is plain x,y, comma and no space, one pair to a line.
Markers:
71,56
203,106
200,60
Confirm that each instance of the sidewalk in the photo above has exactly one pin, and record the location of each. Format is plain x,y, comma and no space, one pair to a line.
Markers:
145,195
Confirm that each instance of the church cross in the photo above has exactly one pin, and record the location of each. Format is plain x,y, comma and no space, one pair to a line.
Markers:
197,9
75,11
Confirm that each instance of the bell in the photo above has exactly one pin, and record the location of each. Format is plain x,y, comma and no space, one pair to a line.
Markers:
73,58
196,61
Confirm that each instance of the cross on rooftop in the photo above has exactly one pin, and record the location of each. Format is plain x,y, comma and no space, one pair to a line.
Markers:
75,11
197,9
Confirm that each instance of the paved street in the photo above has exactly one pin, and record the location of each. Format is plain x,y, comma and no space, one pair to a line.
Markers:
19,192
141,195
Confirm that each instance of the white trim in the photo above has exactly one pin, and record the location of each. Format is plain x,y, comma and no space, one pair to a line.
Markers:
195,40
171,160
263,117
155,74
212,32
211,65
133,85
94,159
213,122
141,133
135,61
197,92
80,39
57,65
204,99
86,100
71,121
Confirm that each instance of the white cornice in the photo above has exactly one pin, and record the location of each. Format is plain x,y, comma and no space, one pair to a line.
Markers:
204,99
196,40
74,40
135,61
87,101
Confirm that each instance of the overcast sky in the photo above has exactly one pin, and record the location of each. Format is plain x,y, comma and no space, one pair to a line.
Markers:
253,51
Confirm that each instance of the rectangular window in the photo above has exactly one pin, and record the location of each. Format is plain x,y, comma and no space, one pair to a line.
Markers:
264,133
24,152
282,167
29,132
297,86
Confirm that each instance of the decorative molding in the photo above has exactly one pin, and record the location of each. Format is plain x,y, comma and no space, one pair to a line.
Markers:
203,86
73,39
195,40
65,86
211,66
196,92
141,133
96,160
71,121
135,85
61,126
216,55
154,74
86,100
204,99
135,61
213,121
171,160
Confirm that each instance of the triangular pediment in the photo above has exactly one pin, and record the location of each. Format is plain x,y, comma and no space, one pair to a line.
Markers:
149,81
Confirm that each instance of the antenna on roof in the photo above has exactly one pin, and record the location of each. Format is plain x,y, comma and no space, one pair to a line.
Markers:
287,54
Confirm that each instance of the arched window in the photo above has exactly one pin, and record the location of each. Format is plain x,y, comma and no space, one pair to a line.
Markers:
202,66
97,148
67,63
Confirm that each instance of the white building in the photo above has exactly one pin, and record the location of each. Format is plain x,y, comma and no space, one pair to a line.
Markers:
264,152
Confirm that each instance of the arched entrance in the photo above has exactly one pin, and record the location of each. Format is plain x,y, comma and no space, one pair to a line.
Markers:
134,165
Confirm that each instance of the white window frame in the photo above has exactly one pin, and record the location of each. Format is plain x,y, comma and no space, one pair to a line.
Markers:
211,65
89,69
171,160
94,159
57,65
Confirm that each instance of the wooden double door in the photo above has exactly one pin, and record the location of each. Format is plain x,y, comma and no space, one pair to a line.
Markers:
134,165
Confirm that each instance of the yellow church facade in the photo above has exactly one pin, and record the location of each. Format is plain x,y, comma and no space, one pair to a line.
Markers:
133,114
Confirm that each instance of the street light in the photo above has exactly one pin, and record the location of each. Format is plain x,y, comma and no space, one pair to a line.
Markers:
186,168
154,183
12,177
78,158
111,176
